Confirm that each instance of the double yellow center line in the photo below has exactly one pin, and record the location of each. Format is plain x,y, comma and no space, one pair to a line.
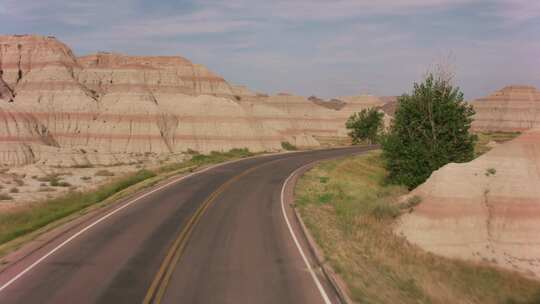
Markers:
161,280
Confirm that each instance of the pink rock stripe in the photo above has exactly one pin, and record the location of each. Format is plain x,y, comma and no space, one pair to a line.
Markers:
7,65
152,118
142,137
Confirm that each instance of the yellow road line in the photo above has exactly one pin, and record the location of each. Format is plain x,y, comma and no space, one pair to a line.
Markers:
159,285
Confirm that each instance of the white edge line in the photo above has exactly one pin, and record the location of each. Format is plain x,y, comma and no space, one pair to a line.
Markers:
27,269
33,265
313,275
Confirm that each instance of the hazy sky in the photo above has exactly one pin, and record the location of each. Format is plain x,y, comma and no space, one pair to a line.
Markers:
327,48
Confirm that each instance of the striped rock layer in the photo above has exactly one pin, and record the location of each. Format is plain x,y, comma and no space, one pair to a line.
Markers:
485,210
5,92
111,106
514,108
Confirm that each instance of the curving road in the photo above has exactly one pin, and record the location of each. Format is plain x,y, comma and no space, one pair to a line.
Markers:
216,236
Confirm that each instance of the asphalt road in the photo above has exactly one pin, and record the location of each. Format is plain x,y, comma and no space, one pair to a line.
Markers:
219,236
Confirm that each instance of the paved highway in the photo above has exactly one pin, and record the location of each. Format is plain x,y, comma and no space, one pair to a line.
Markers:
217,236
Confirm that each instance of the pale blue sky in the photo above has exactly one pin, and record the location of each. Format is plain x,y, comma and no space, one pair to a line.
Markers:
320,47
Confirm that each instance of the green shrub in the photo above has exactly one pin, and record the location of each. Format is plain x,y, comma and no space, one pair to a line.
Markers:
54,182
287,146
63,184
491,171
324,179
243,152
49,178
5,197
46,189
325,198
430,129
104,173
366,125
192,152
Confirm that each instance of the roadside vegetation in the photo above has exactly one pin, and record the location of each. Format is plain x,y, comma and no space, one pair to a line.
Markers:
287,146
14,224
431,128
333,141
351,210
351,206
23,220
365,126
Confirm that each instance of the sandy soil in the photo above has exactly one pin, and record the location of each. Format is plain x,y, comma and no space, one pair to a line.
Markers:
34,183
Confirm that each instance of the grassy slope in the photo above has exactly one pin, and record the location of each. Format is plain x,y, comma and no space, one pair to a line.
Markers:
486,137
31,218
351,214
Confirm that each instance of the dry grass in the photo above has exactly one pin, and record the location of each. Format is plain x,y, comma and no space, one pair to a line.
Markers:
104,173
351,215
334,141
22,222
485,138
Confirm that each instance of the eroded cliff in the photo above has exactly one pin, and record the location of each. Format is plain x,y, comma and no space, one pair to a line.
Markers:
110,105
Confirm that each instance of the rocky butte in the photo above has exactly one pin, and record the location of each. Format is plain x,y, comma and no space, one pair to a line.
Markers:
62,110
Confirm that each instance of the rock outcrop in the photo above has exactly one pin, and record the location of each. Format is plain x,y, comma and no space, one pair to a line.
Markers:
514,108
20,133
486,210
309,117
241,90
41,74
110,106
110,72
5,92
21,54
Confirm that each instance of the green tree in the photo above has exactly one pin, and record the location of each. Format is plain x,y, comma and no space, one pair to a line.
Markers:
430,129
365,125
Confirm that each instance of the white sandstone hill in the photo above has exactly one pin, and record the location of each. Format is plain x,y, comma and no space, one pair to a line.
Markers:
62,110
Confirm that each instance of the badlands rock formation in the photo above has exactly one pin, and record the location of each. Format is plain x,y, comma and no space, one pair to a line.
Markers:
20,133
486,210
107,107
240,90
312,118
5,92
514,108
109,72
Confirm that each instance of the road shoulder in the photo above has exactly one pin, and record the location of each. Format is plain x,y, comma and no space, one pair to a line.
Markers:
334,283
